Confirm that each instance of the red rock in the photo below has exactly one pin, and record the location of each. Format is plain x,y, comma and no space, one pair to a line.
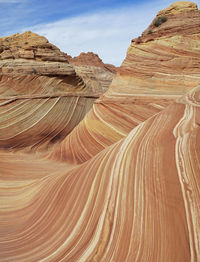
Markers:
37,80
91,59
124,185
153,75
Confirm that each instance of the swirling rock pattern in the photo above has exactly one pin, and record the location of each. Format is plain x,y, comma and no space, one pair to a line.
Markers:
123,186
137,200
159,68
166,58
92,69
95,77
40,122
37,84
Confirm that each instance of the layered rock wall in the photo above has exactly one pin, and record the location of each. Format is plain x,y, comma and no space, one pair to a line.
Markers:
42,97
125,184
158,69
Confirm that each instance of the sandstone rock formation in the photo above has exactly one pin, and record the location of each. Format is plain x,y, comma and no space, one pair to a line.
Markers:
37,85
91,59
124,185
165,59
92,69
160,68
137,200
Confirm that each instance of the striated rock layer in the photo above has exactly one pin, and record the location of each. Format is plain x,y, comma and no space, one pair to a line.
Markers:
137,200
91,59
166,58
124,185
37,84
92,69
160,66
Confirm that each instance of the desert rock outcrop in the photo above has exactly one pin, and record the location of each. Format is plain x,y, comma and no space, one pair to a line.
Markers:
91,59
137,200
92,69
157,70
37,85
124,185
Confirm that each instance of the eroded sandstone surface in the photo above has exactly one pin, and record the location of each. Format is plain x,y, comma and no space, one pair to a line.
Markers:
124,185
91,59
159,68
92,69
38,85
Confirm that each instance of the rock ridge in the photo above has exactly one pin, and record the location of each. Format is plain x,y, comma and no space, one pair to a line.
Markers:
91,59
29,45
180,18
123,184
179,7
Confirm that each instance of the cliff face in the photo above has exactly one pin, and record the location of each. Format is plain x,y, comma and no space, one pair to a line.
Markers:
124,184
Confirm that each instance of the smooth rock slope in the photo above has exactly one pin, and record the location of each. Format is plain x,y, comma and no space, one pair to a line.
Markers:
137,200
124,185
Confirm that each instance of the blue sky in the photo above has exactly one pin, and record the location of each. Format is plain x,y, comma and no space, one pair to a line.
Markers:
105,27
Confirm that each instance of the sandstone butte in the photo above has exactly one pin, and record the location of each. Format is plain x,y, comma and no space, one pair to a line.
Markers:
124,185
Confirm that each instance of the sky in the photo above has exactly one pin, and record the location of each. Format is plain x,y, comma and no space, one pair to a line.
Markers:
105,27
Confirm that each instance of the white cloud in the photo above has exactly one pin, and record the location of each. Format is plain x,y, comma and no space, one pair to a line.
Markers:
107,33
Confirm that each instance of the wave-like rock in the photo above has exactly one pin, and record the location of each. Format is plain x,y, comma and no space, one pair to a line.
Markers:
97,78
157,70
124,184
92,69
107,122
42,96
166,58
40,122
137,200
